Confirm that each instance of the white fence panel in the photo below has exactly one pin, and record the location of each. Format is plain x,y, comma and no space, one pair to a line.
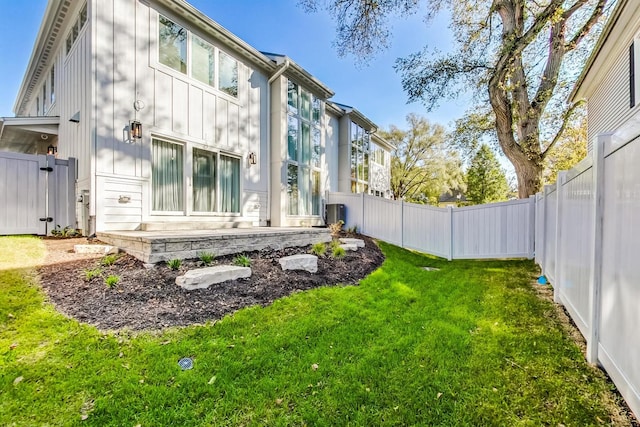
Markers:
496,230
576,244
620,317
383,219
539,238
427,229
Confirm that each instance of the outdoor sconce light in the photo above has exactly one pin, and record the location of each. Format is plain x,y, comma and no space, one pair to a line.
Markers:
135,130
253,159
51,150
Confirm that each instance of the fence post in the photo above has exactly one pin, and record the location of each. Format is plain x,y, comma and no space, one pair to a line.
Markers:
532,226
362,229
450,257
402,223
595,288
560,190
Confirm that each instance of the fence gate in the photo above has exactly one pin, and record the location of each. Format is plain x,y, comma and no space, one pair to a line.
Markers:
37,193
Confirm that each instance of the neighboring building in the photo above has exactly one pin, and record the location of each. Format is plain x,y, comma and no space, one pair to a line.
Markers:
174,119
610,81
453,198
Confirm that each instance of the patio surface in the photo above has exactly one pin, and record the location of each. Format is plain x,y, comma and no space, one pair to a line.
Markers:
158,246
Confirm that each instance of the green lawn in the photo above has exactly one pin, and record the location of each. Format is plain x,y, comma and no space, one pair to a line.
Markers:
470,344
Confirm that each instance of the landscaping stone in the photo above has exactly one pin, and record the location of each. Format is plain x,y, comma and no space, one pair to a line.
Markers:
430,269
202,278
349,247
349,241
95,249
304,262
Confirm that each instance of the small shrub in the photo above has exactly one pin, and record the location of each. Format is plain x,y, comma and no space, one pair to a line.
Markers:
336,228
338,252
352,230
64,232
112,280
242,261
109,260
206,257
92,273
335,243
319,249
174,264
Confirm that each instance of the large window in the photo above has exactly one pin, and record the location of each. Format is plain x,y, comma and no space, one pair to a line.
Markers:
303,151
360,141
215,180
52,84
167,176
193,56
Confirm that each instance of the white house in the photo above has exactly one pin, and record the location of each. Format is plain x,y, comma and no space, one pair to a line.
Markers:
174,120
610,81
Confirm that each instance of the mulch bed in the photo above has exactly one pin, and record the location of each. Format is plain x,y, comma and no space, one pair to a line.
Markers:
149,299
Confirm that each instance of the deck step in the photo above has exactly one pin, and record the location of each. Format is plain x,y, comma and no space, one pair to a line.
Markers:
192,225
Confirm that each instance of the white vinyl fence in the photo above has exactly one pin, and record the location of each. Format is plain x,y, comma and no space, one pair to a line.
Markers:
497,230
588,239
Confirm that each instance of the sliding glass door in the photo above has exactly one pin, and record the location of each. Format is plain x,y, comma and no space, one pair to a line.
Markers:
167,176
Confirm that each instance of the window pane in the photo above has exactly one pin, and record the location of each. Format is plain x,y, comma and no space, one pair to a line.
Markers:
354,160
228,74
204,181
315,116
172,45
292,139
75,30
53,85
315,154
229,184
306,143
69,42
315,192
44,98
305,105
292,96
83,16
167,176
292,189
365,166
202,61
304,185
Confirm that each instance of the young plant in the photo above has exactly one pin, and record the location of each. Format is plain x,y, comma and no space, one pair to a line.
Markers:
242,261
319,249
338,252
336,228
112,280
174,264
352,230
335,243
109,260
206,257
92,273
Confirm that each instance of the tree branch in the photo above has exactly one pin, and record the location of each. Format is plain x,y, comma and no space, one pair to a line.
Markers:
565,120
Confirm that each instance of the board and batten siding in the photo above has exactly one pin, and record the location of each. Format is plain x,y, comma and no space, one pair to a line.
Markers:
176,107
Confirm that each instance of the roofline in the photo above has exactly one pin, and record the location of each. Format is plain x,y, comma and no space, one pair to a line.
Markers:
206,23
45,40
346,109
296,71
381,141
617,11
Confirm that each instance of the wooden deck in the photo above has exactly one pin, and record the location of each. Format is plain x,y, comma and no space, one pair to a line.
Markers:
158,246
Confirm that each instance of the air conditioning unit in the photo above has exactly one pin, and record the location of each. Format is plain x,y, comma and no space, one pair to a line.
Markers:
336,212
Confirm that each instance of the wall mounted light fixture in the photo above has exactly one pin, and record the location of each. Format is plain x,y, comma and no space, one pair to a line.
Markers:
253,159
135,130
52,150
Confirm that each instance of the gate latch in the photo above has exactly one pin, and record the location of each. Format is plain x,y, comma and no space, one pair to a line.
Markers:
47,168
47,219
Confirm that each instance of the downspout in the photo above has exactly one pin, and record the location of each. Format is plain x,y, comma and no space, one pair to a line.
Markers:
273,78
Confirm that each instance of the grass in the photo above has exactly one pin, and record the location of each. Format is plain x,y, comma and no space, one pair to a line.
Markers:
468,345
174,264
242,261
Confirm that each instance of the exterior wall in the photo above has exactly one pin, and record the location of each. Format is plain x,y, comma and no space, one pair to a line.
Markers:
605,84
344,164
332,153
176,108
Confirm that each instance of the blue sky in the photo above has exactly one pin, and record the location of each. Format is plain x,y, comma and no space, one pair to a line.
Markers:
278,26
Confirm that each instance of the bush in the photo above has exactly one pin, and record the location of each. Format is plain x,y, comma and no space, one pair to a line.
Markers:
206,257
338,252
111,281
174,264
336,228
242,261
319,249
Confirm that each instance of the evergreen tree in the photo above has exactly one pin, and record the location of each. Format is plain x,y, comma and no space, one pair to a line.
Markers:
486,181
